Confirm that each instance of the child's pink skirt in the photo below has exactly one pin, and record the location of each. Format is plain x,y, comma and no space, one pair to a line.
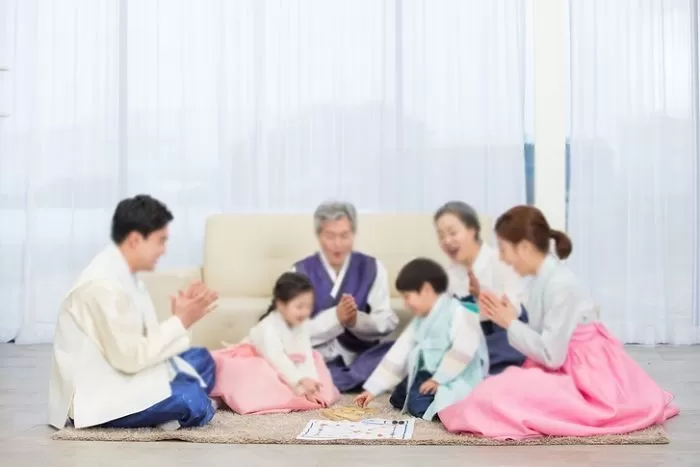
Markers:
248,384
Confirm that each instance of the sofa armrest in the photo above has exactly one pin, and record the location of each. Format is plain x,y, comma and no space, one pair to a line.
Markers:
162,285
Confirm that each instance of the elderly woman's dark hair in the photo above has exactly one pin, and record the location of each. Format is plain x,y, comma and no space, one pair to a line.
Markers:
465,213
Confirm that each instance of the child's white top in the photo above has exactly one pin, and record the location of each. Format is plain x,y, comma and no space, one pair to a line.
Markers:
275,340
466,342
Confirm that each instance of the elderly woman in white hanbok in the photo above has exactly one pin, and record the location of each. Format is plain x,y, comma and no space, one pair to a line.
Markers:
476,267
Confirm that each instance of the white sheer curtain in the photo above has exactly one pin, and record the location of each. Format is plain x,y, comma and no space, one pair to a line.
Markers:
252,105
59,152
633,211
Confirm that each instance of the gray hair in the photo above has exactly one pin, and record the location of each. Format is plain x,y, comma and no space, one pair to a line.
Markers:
465,213
333,211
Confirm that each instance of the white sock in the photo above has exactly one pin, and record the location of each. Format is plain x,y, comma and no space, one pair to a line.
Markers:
170,426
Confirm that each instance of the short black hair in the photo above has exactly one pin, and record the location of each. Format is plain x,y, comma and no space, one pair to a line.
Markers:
142,214
417,272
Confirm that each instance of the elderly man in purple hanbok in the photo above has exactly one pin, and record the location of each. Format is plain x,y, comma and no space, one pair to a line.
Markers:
352,309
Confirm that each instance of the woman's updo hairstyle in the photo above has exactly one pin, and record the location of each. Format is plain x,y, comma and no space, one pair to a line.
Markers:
528,223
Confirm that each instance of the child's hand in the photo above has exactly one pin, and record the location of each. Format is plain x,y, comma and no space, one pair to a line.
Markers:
429,387
364,399
314,398
309,386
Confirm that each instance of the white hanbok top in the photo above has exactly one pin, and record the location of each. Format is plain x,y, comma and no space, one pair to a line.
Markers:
278,343
556,304
111,356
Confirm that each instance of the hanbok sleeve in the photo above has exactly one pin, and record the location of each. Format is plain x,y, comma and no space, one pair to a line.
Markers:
550,347
308,367
382,320
125,346
267,342
466,335
510,284
325,327
394,366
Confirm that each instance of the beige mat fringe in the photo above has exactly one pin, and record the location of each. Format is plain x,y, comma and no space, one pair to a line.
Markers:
229,428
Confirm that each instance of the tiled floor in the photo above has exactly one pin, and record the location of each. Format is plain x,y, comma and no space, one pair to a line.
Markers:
25,438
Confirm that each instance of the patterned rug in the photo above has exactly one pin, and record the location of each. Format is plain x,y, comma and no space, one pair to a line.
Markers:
229,428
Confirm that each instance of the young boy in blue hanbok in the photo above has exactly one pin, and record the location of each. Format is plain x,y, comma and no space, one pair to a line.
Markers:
440,356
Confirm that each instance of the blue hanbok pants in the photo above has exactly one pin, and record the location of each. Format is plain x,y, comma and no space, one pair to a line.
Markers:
189,403
351,377
417,403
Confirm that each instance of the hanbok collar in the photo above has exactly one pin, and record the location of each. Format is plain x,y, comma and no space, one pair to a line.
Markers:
122,269
541,277
482,257
481,260
438,306
331,270
549,263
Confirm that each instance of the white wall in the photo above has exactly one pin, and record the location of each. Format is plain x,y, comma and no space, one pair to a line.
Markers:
549,30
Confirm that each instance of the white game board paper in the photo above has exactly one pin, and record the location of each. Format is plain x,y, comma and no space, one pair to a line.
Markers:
374,429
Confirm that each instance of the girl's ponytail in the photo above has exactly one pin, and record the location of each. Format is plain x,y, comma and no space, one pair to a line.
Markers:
270,309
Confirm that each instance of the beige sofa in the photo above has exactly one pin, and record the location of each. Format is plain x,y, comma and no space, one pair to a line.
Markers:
244,254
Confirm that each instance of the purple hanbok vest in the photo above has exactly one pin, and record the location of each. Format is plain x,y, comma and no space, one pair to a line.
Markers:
358,281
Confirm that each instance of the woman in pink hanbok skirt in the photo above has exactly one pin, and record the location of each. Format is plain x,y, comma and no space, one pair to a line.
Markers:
275,368
578,379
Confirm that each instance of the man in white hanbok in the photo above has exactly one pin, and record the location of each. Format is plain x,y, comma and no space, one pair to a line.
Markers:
114,364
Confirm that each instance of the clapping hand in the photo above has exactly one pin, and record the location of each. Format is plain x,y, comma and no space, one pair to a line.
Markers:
194,289
347,311
193,303
499,310
474,287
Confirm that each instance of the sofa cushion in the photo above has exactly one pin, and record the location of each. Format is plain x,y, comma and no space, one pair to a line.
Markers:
234,317
245,253
229,323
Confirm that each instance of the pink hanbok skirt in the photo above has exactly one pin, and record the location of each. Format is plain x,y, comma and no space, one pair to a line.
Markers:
248,384
599,390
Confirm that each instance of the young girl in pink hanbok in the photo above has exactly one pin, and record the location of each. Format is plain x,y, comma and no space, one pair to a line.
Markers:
275,369
578,380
